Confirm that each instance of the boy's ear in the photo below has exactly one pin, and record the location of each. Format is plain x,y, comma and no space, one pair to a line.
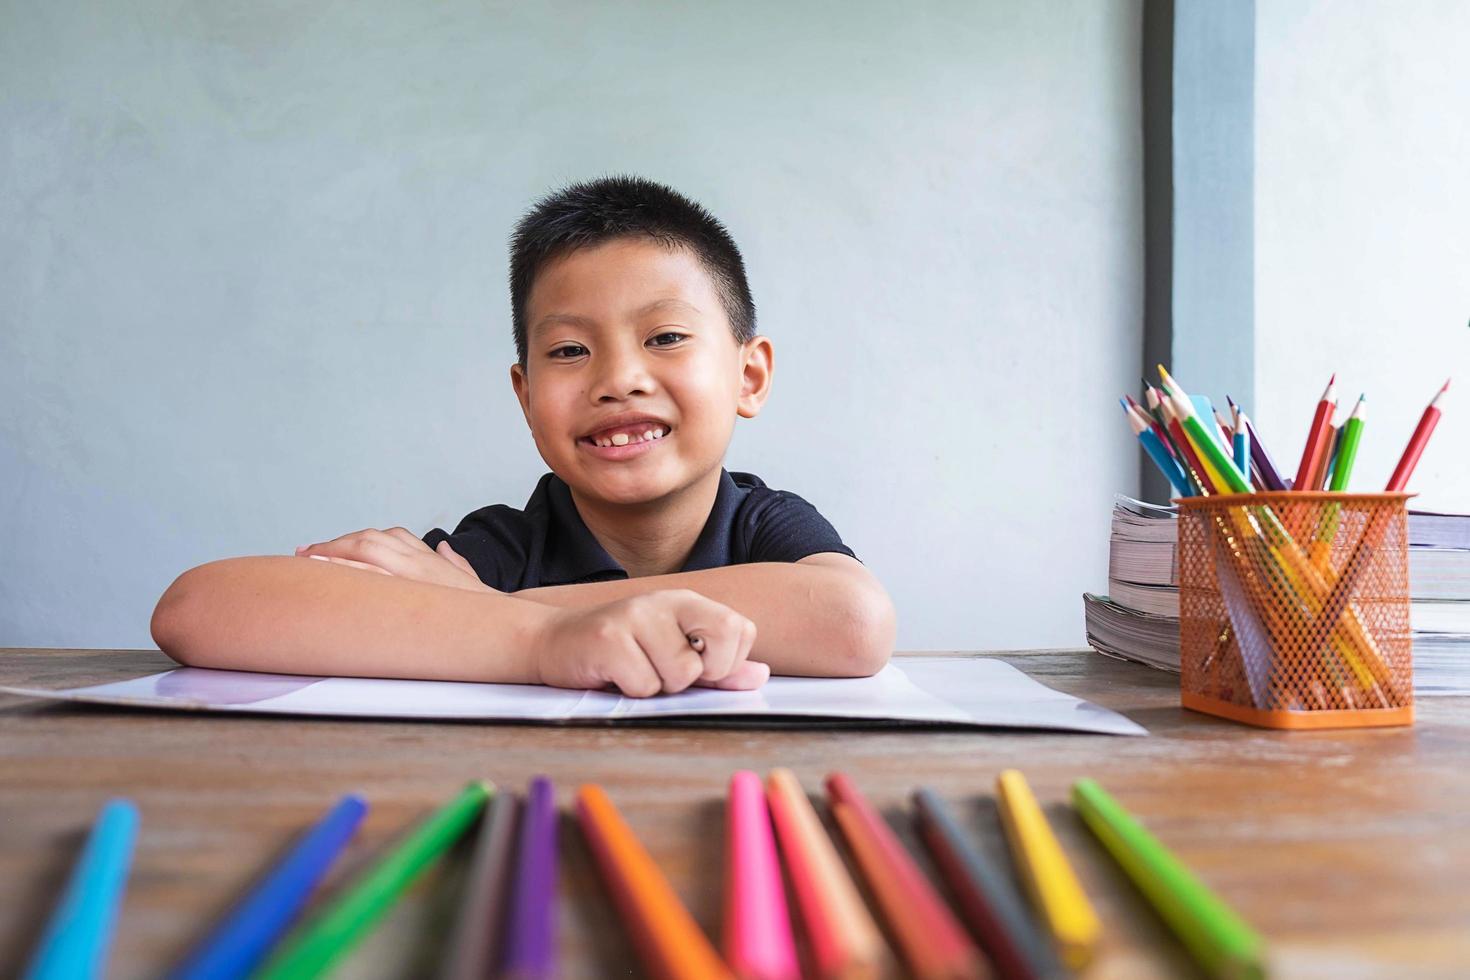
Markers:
758,361
522,387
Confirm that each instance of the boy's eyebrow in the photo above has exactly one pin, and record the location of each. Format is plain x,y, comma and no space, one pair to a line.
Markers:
581,321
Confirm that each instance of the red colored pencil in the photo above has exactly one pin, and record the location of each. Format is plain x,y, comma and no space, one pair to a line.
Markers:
1191,458
1417,442
1316,437
1151,397
933,942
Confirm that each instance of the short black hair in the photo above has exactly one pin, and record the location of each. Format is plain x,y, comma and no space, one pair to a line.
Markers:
592,212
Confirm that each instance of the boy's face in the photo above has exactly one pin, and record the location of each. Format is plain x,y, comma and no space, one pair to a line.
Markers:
632,335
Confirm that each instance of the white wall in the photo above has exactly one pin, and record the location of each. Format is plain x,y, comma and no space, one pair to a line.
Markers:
252,277
1363,227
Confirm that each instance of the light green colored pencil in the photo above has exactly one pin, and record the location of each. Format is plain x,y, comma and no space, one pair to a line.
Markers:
1214,935
1347,452
336,930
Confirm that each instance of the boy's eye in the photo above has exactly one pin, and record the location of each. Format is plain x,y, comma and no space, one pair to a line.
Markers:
569,351
667,339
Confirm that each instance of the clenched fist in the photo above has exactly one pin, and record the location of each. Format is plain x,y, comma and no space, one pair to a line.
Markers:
656,642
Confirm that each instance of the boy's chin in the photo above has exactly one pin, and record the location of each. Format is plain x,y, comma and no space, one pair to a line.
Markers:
625,491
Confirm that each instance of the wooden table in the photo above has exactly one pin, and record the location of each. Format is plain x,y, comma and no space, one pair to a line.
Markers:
1349,850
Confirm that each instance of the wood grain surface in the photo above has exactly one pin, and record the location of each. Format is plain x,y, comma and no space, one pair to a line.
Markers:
1349,850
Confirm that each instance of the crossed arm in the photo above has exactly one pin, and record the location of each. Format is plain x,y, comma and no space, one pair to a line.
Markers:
381,604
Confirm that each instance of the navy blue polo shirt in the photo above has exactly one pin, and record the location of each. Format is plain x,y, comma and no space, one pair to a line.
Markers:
548,544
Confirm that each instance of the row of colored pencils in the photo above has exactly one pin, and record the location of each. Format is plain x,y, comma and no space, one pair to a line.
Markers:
844,940
506,927
1217,454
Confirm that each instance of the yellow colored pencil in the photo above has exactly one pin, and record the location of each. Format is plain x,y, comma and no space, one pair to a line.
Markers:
1047,874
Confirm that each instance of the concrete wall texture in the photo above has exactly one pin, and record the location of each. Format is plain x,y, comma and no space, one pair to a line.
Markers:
1362,262
252,277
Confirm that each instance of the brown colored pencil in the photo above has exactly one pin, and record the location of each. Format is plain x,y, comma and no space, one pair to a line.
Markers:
933,943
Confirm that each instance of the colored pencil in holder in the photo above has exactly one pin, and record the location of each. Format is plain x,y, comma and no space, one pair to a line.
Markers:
987,900
1317,437
476,941
843,940
1219,940
1161,456
757,933
1262,462
1404,469
76,939
932,941
665,936
245,937
330,936
1045,871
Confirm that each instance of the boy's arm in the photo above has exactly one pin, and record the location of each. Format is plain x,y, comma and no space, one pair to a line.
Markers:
823,616
296,616
291,615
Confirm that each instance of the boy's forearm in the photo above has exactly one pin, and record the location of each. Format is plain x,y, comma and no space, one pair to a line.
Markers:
298,616
810,620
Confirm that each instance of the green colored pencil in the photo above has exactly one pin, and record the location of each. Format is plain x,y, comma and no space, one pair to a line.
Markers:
337,929
1217,938
1347,450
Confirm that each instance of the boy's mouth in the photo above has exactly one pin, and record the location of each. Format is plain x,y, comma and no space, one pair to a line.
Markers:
627,434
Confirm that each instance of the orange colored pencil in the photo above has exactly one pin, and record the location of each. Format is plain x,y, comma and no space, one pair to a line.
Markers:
664,933
932,941
1317,435
840,932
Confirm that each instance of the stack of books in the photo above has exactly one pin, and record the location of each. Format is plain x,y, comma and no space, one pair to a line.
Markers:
1138,619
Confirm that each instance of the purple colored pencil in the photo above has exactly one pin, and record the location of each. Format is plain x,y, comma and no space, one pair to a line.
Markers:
1265,466
531,943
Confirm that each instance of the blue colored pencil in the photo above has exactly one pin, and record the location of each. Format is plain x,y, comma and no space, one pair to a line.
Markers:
75,942
1242,444
1161,456
244,938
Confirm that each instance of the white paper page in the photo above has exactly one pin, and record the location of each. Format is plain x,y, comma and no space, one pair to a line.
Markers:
937,690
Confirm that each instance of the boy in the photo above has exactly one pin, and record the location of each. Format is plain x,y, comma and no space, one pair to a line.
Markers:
638,561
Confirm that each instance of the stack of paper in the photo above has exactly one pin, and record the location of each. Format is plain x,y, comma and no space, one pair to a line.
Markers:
1139,617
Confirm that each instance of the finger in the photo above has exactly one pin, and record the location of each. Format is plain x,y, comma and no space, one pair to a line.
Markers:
667,645
345,545
369,550
456,559
349,563
747,677
722,630
632,672
403,534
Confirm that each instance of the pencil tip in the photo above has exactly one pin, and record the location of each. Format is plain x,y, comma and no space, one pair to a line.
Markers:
1332,380
1446,385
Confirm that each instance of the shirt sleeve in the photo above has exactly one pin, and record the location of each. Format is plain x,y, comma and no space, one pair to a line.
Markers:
489,540
780,526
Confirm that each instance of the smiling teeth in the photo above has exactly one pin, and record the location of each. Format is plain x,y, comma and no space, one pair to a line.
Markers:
623,438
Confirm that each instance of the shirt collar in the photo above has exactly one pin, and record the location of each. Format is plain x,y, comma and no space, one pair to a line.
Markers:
572,554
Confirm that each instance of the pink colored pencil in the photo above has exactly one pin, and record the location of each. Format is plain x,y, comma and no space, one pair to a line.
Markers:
758,940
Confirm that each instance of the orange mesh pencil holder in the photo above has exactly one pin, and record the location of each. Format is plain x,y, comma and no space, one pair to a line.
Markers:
1294,609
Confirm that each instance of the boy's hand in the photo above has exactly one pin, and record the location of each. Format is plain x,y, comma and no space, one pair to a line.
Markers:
397,551
656,642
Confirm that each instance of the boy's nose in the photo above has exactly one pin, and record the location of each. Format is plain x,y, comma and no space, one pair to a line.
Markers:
620,377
